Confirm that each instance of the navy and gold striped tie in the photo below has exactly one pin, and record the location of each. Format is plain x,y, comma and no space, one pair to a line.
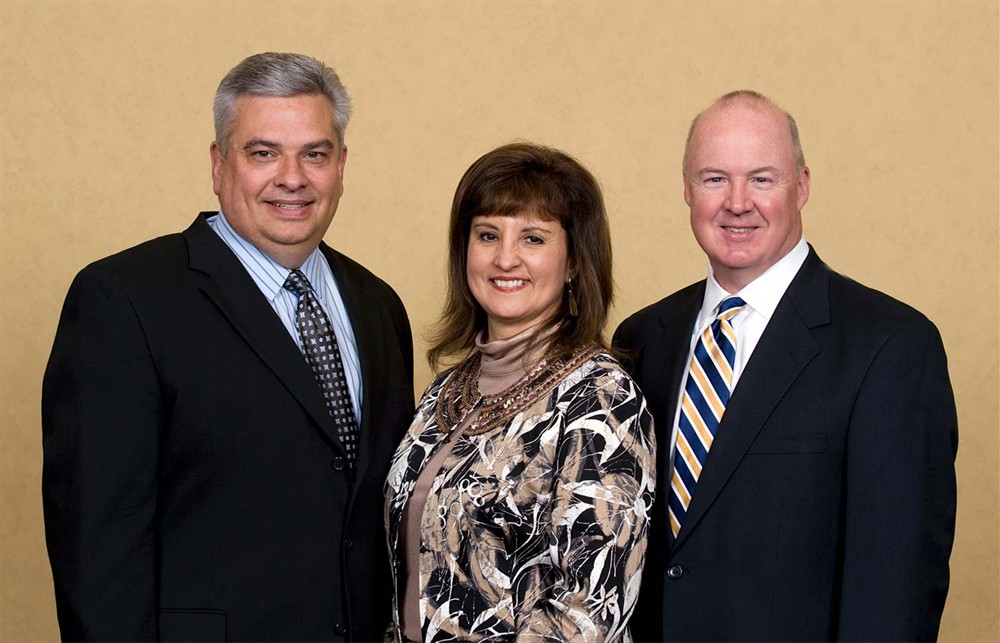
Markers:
706,393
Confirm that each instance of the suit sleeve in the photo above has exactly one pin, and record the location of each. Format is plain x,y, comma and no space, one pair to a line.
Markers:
622,339
900,493
404,335
101,418
599,518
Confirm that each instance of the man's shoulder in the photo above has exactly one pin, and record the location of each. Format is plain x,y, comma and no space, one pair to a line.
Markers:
160,260
863,305
151,257
677,303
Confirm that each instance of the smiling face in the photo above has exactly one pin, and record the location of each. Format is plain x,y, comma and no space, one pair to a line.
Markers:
744,191
281,179
517,267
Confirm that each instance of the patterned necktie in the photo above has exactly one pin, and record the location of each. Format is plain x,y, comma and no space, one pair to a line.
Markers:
706,394
320,345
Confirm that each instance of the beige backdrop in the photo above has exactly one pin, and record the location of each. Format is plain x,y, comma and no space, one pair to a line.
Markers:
106,124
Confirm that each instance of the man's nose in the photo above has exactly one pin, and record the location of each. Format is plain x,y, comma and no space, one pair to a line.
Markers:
738,200
290,174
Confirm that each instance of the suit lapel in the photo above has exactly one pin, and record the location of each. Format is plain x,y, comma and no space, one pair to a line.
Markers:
239,299
668,356
364,318
662,359
784,350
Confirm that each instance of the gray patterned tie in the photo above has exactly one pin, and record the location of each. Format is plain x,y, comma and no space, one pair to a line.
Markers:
320,345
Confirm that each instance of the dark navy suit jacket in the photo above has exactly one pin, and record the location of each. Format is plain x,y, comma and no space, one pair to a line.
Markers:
826,506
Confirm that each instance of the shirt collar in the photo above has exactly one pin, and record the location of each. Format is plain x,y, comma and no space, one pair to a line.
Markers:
763,293
313,269
269,275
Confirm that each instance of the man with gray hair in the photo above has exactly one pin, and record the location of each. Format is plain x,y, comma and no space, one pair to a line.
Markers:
807,423
220,405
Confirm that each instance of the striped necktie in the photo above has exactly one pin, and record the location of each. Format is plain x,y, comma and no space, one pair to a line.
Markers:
319,343
706,393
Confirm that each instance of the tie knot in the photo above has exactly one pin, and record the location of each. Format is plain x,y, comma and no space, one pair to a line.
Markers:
296,283
730,307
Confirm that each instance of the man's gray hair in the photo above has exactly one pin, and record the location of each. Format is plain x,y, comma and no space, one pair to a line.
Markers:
284,75
751,97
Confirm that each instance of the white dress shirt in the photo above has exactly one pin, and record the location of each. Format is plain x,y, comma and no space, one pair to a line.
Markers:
761,296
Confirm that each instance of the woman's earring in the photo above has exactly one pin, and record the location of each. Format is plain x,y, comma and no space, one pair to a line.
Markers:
571,298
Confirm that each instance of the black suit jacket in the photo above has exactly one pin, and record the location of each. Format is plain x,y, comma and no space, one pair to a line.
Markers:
194,486
826,507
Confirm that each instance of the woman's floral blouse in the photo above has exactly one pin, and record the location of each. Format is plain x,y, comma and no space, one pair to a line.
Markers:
534,530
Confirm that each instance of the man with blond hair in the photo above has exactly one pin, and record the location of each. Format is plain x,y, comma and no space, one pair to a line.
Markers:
806,422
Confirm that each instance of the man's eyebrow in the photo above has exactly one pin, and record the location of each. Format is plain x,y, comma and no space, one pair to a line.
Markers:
756,170
312,145
259,142
324,144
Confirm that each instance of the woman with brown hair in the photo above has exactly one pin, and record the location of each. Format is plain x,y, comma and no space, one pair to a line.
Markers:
517,504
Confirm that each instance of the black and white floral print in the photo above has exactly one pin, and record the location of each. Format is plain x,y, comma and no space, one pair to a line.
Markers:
536,529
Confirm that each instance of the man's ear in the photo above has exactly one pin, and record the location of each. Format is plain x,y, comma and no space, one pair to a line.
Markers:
217,160
803,188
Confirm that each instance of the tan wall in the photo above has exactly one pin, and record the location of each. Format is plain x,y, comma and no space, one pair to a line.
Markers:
106,125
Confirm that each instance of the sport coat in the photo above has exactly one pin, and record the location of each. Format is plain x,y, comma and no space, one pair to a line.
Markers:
194,485
826,506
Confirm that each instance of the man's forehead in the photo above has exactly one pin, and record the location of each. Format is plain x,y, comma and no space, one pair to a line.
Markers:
740,141
306,117
744,114
752,127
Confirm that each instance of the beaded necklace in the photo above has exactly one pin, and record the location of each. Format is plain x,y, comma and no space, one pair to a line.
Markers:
460,393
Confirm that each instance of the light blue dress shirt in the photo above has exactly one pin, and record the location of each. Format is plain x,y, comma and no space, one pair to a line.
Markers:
270,276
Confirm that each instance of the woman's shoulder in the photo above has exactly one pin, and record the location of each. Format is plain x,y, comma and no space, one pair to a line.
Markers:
597,360
600,389
605,361
600,371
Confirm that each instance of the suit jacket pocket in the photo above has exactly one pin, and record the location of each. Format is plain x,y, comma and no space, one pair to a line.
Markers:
192,625
789,443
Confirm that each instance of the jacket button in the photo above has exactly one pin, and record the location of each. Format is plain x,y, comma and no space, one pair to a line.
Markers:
340,629
674,572
349,543
338,464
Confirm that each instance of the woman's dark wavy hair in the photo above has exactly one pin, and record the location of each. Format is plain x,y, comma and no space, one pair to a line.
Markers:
525,178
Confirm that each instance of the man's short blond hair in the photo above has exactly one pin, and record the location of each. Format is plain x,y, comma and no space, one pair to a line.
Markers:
750,97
